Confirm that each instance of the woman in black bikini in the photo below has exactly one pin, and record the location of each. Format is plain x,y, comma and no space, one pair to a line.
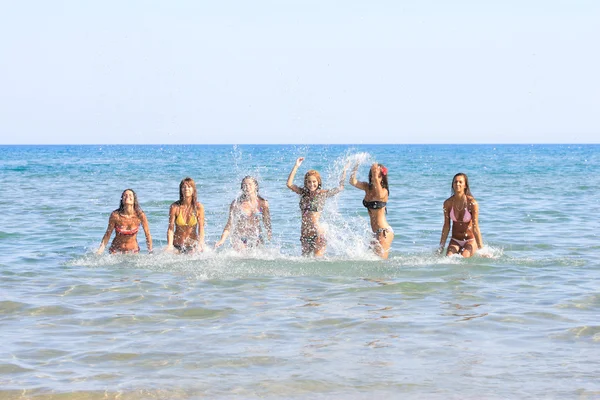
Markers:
245,214
312,201
186,220
126,222
376,196
462,212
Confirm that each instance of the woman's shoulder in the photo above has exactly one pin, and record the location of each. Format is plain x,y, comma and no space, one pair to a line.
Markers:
471,200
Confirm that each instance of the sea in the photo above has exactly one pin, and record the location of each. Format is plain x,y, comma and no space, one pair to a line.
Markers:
519,320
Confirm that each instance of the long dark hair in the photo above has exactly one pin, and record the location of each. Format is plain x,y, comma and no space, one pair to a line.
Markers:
384,180
244,195
136,205
467,189
189,181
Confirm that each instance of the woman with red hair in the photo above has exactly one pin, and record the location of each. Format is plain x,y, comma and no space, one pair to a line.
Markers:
312,201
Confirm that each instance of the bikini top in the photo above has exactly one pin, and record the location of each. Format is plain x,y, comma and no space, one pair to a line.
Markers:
256,213
128,232
466,217
310,203
374,205
192,220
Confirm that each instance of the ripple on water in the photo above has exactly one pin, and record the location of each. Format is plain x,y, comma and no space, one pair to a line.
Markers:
587,302
199,313
8,307
55,310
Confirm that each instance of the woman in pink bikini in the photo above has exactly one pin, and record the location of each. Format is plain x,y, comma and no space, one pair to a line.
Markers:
312,201
126,221
245,215
462,212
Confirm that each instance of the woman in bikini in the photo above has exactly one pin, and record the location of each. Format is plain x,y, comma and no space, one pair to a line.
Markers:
245,214
312,201
462,212
186,220
376,197
126,221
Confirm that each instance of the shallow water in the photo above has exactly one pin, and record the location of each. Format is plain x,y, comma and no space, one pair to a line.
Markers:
521,322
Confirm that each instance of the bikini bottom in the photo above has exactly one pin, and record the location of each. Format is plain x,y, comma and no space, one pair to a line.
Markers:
251,241
385,231
463,244
114,251
186,249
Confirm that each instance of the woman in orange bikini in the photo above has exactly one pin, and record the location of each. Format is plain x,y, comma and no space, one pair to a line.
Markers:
186,220
462,212
245,214
312,201
126,221
376,196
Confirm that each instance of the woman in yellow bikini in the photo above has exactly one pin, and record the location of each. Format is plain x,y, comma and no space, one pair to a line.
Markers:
186,220
245,214
312,201
462,212
126,221
376,196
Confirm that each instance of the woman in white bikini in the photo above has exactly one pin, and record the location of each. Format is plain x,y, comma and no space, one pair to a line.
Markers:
312,201
376,196
462,212
245,214
126,221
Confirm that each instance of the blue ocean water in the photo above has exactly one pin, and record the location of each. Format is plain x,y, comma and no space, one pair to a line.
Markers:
521,320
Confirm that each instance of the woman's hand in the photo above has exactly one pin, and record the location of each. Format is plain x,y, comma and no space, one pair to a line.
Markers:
299,161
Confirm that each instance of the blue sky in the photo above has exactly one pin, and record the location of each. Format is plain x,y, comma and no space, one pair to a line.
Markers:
429,71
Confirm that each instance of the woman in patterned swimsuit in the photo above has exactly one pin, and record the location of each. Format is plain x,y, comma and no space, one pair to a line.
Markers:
312,201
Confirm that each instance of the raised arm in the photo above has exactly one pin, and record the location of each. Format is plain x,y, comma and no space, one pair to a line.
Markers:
354,182
266,214
445,228
146,232
475,220
227,228
379,191
200,212
290,181
108,233
171,229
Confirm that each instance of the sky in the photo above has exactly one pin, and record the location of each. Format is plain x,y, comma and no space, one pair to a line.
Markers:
299,71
